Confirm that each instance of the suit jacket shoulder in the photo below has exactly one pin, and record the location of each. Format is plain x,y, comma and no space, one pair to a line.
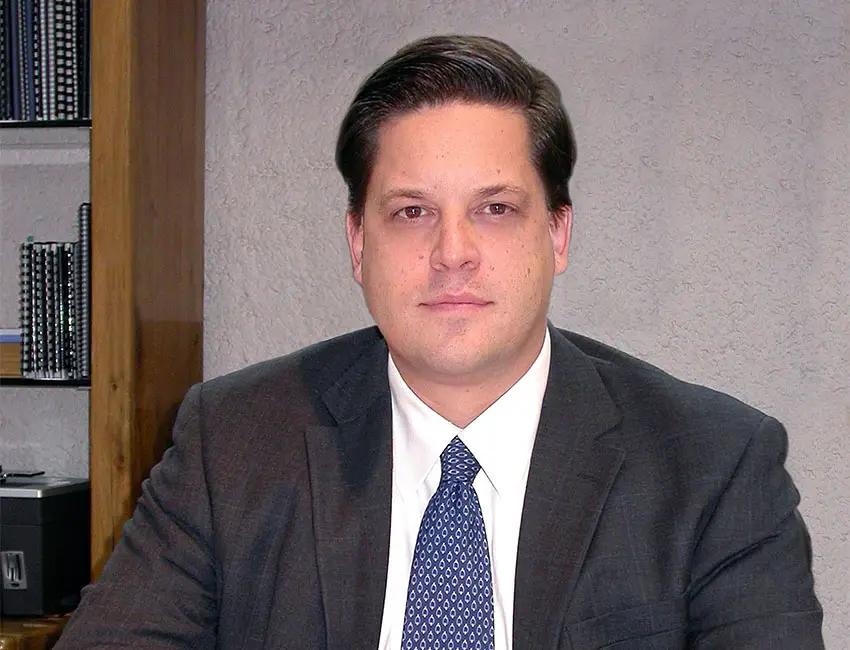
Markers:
659,408
309,371
268,401
699,532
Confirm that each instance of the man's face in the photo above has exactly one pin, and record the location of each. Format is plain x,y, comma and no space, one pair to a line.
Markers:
456,251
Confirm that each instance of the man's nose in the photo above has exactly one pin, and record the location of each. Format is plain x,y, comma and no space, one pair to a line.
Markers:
456,244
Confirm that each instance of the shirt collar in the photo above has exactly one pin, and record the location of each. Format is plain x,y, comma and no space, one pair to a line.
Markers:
501,438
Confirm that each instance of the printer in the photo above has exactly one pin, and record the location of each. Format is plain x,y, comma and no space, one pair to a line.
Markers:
44,543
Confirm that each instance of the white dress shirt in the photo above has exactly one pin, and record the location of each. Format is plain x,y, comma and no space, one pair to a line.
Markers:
501,439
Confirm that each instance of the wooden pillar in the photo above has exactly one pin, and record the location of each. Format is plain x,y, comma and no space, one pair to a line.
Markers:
147,192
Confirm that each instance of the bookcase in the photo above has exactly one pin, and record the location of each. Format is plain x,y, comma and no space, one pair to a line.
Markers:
146,190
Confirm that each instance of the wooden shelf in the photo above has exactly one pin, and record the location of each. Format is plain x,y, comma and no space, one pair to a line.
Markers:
47,144
44,383
41,633
44,124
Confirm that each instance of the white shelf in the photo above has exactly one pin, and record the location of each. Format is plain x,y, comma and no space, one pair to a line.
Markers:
44,146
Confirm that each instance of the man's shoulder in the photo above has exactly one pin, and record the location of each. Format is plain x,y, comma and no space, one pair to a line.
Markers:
672,428
312,369
646,392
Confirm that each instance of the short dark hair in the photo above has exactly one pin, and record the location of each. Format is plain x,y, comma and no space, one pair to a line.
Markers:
440,69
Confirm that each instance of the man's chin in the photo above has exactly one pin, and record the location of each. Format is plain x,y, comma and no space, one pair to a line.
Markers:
458,367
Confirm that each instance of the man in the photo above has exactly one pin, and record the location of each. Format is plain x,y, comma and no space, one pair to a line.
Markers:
465,475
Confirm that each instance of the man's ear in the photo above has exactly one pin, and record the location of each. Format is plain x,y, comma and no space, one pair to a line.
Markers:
560,228
354,233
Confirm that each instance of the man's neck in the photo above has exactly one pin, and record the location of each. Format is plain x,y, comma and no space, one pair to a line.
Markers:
460,406
462,400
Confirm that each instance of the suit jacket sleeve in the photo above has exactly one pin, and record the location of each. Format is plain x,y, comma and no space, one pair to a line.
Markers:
752,585
158,588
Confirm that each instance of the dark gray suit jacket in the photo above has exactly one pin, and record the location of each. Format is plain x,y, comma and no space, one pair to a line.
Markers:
658,515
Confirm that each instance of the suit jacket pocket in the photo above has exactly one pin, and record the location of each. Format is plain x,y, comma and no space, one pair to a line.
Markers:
656,626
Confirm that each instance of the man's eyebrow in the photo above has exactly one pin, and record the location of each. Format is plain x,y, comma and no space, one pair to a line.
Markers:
402,193
481,193
501,188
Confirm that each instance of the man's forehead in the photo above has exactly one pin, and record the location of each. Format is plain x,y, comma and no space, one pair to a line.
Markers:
487,144
461,115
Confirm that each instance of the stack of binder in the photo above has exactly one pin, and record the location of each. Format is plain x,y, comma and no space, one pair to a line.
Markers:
55,299
44,59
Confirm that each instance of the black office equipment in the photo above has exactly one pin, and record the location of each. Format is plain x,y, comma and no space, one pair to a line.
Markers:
44,544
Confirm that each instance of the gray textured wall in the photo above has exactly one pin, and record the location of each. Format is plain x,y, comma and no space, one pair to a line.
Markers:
711,193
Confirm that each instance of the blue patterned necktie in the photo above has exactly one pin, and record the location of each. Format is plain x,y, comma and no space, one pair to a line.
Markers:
450,595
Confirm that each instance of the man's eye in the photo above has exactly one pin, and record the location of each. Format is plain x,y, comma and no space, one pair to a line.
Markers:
410,212
497,209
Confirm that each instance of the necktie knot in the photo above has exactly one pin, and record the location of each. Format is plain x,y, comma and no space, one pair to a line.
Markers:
458,464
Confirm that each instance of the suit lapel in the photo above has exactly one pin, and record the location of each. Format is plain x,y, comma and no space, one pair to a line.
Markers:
350,469
569,480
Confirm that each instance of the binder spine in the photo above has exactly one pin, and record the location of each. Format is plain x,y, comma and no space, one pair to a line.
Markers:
14,60
26,308
74,71
51,59
50,312
39,340
70,309
44,71
58,338
5,61
84,288
84,55
64,69
35,38
25,31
